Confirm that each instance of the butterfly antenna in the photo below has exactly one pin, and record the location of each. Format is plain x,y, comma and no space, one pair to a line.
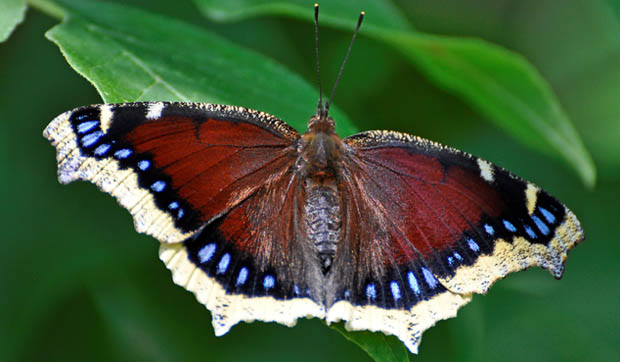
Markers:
357,28
319,109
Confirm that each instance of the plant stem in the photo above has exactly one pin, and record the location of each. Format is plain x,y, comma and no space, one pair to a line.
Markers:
48,7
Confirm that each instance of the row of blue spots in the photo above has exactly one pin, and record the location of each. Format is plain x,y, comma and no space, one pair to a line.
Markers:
544,229
205,254
92,138
157,186
431,281
413,284
547,215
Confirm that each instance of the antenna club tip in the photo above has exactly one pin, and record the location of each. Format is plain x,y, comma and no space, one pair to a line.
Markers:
316,5
362,13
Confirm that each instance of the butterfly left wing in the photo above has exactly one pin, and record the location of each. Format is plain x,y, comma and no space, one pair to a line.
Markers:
216,185
426,226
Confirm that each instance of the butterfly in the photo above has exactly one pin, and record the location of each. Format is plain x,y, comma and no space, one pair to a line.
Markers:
382,230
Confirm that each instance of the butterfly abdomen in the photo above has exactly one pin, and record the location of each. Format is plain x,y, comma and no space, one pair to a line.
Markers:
322,221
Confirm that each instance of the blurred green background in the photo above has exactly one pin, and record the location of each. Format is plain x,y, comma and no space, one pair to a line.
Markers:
78,283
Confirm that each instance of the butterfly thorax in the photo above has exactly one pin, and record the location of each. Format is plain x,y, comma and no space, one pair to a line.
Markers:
321,154
320,148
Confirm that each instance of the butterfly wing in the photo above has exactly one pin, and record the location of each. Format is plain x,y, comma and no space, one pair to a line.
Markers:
215,184
428,225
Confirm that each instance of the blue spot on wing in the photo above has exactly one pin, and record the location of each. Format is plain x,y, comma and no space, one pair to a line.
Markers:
472,245
223,264
530,232
206,252
413,282
122,154
158,186
144,165
91,138
242,277
508,225
547,214
269,282
102,149
371,292
87,126
395,290
489,229
541,225
429,278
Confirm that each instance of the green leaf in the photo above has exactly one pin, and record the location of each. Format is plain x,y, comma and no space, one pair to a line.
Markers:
342,14
380,347
131,55
11,14
499,83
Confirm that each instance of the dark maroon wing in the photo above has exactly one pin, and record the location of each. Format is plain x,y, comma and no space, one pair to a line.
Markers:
214,183
425,223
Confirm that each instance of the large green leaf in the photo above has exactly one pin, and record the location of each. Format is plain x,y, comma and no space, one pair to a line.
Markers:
11,14
131,55
502,85
380,347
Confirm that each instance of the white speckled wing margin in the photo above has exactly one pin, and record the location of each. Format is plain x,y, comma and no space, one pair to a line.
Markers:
517,255
230,309
110,178
406,325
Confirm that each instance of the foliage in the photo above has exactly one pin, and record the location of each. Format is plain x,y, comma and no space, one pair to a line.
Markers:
83,283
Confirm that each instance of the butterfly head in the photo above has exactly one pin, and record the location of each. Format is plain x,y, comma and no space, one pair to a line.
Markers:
321,121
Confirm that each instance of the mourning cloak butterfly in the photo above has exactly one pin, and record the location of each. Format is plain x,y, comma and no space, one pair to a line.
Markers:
383,230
